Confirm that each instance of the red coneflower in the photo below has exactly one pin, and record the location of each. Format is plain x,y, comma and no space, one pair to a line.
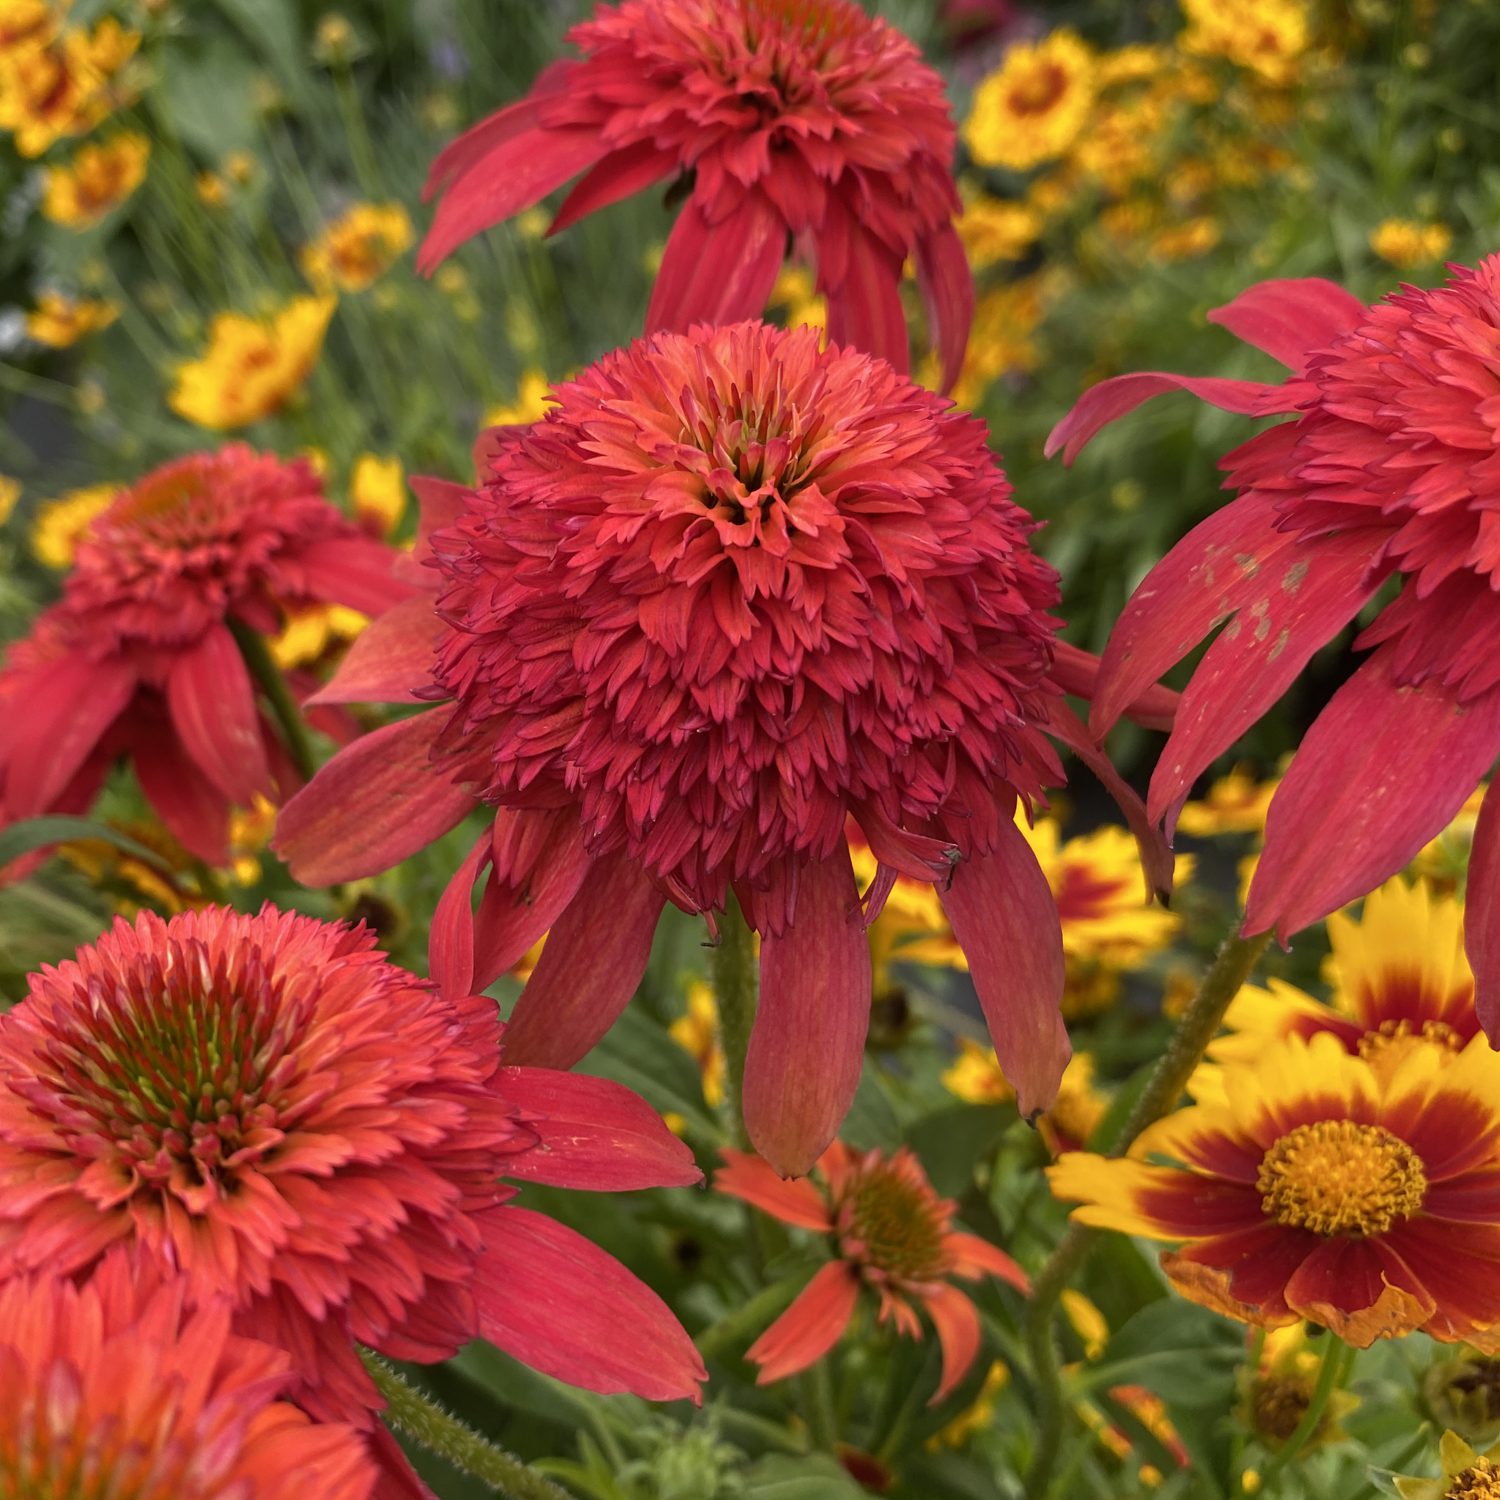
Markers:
120,1387
731,593
139,658
268,1107
801,122
892,1234
1389,469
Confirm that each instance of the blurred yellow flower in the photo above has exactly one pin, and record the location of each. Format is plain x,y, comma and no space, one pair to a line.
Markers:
799,302
1134,64
697,1033
1236,803
97,180
531,403
311,631
358,248
911,928
978,1415
1120,146
240,167
212,190
1277,1391
976,1078
28,23
1003,341
996,229
10,493
377,488
1188,240
1267,37
60,524
1086,1320
335,41
57,86
132,882
59,321
1407,244
252,366
1444,862
1033,107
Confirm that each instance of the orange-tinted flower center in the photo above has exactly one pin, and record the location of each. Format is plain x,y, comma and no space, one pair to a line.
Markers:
895,1223
815,18
166,494
1036,89
1481,1481
1341,1177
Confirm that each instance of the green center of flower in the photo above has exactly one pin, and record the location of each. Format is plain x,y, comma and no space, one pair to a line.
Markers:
893,1222
1481,1481
1341,1177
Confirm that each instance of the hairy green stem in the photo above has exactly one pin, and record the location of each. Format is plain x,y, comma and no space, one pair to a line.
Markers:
422,1419
272,683
1198,1027
736,987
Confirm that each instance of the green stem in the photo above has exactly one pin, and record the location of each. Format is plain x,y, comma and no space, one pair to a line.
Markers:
1336,1361
736,986
268,676
1199,1025
817,1405
421,1418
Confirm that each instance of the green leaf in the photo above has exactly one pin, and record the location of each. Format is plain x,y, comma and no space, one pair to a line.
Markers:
951,1141
272,28
816,1477
206,93
32,834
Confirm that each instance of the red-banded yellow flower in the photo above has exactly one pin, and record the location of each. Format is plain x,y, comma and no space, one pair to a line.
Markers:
1322,1189
1033,107
97,181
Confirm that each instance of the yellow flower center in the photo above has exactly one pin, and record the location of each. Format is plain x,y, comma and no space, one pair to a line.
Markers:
1340,1177
1481,1481
1439,1033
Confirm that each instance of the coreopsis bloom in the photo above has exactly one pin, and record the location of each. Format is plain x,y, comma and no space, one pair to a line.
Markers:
975,1076
731,594
358,248
96,182
59,321
1407,244
62,523
1276,1392
1266,37
1033,107
252,366
1235,803
138,658
892,1236
377,492
807,122
530,405
997,229
1467,1474
1382,475
1365,1201
291,1124
120,1387
696,1031
55,84
1399,977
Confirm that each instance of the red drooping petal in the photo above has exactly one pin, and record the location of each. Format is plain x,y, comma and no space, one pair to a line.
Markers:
808,1041
810,1327
1482,916
753,1180
212,704
516,910
515,174
377,802
947,287
1213,571
1300,605
973,1255
357,572
1292,318
619,175
450,939
718,273
560,1304
957,1327
1112,399
594,958
390,658
1006,921
67,710
592,1133
864,307
1076,672
469,149
194,810
1381,772
398,1480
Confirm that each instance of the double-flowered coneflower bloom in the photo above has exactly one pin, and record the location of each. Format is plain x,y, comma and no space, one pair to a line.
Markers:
1399,978
122,1388
892,1235
267,1107
1386,472
1320,1187
731,595
138,659
807,125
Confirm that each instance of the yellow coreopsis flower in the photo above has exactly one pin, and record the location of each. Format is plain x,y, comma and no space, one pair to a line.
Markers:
1034,106
1188,240
10,493
800,302
252,366
533,396
996,229
378,489
97,180
1236,803
1266,37
975,1077
1407,244
61,523
1006,320
59,321
57,86
697,1033
912,927
1467,1474
313,630
26,23
976,1416
357,249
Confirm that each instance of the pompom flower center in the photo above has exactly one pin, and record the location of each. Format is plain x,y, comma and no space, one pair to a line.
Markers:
1392,1033
893,1223
1480,1481
1341,1177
